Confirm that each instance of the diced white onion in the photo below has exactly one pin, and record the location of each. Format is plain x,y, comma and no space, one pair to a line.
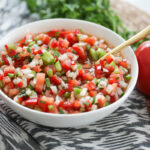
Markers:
94,107
72,75
109,88
123,84
63,57
58,99
28,91
54,89
99,96
83,92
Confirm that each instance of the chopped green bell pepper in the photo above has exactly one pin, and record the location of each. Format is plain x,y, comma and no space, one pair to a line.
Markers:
47,58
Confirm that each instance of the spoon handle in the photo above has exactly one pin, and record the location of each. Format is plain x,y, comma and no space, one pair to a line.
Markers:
130,41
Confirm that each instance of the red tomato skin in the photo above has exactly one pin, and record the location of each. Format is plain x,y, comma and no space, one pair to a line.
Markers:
71,38
61,92
67,105
88,76
74,82
91,86
31,101
92,93
20,84
80,51
90,40
1,77
142,54
66,64
109,58
37,68
53,43
55,80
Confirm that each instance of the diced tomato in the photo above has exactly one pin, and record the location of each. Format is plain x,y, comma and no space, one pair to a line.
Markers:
74,82
103,91
111,81
88,77
71,38
60,103
11,52
62,50
123,64
88,105
110,68
101,102
37,52
44,38
92,93
9,69
102,63
44,101
40,80
20,99
1,77
70,87
7,49
4,58
67,105
90,40
25,41
31,102
109,58
37,68
77,31
53,43
64,33
91,86
20,84
76,104
62,43
25,66
98,69
52,33
10,85
6,80
66,64
55,80
69,50
80,52
80,73
112,99
61,92
13,92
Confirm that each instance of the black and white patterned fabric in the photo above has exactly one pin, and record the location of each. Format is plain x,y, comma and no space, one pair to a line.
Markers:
128,128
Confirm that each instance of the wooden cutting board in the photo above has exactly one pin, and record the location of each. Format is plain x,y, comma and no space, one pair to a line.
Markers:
133,17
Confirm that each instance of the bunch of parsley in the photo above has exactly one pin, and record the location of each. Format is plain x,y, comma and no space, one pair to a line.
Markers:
98,11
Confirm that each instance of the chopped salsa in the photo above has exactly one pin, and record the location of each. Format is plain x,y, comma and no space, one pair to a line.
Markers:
55,72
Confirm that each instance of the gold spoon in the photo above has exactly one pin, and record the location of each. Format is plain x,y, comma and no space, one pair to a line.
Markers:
130,41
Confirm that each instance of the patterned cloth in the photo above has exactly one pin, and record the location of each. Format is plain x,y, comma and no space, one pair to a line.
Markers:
127,128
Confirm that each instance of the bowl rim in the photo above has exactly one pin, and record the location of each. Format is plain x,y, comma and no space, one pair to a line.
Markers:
127,93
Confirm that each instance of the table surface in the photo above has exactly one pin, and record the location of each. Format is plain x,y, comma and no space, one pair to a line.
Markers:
126,128
142,4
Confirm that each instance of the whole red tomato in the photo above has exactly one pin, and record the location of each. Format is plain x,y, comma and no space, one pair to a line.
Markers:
143,57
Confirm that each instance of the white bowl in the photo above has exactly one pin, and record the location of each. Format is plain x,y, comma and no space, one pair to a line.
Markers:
70,120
